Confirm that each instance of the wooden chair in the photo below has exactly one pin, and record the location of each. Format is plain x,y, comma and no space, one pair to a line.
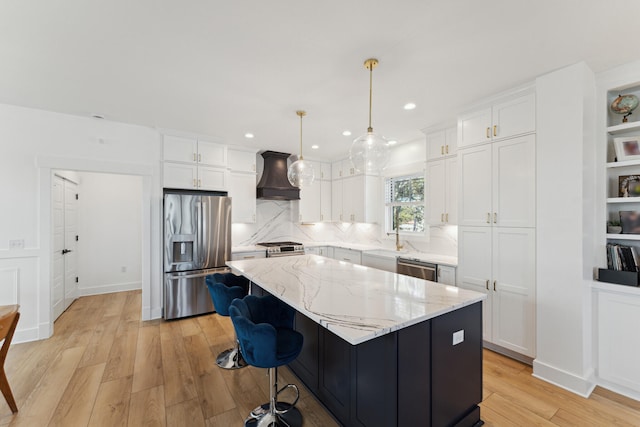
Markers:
9,316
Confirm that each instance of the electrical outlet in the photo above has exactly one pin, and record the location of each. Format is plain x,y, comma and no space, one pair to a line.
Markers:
16,244
458,337
123,269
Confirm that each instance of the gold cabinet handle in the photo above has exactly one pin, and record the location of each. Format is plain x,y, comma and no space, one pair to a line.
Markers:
446,149
194,157
488,132
446,217
486,285
495,217
442,149
199,158
199,183
495,130
441,217
488,217
494,285
195,183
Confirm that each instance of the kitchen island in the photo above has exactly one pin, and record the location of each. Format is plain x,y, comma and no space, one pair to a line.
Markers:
380,349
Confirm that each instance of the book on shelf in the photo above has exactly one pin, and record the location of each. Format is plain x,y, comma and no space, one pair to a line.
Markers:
622,258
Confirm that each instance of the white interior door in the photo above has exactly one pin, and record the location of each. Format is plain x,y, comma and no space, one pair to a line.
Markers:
65,230
70,242
57,288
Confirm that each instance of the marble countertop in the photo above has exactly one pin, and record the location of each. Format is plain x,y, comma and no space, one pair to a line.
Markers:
370,249
355,302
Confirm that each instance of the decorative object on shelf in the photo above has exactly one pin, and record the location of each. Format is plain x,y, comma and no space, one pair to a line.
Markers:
629,186
300,172
614,227
627,148
630,221
369,152
624,104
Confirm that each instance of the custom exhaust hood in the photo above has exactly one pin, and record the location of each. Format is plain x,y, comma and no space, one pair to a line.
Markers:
274,184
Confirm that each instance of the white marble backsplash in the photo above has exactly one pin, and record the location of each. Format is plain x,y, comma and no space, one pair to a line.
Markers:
275,221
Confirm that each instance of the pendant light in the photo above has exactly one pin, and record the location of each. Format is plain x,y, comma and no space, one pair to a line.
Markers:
369,153
300,173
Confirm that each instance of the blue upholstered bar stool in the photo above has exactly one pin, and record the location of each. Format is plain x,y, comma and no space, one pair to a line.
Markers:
264,326
224,288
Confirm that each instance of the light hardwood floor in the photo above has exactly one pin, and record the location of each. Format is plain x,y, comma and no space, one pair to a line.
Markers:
104,367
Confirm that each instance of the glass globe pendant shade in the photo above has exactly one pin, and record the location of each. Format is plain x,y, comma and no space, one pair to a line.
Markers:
369,153
300,173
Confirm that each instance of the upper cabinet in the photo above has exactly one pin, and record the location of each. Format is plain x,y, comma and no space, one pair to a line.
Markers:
505,119
315,200
193,164
441,143
354,196
242,184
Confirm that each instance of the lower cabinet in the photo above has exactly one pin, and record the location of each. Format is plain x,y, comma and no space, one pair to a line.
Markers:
379,262
349,255
416,376
446,275
248,255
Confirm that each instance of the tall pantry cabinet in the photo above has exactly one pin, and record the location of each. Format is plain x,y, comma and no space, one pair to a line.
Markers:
496,217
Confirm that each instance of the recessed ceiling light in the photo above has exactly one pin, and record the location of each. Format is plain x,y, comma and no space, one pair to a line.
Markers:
392,142
248,135
409,106
315,147
346,133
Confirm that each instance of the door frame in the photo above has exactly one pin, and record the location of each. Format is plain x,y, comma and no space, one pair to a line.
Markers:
151,230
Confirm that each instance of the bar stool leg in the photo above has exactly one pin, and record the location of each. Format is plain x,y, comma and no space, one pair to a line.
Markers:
276,413
231,358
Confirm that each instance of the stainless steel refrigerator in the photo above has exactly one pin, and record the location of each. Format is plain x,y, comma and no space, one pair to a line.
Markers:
197,242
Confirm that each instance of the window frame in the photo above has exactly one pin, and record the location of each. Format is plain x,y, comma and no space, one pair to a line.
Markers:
389,205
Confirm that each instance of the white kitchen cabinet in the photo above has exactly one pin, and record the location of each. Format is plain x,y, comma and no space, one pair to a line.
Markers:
317,250
189,150
355,197
336,169
500,262
442,191
441,143
240,160
497,184
504,119
185,176
315,200
349,255
248,255
242,190
447,275
380,262
361,198
336,201
618,317
242,184
194,164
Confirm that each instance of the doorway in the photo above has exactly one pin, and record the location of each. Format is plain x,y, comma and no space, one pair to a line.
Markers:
65,237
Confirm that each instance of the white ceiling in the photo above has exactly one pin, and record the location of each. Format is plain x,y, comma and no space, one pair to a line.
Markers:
224,68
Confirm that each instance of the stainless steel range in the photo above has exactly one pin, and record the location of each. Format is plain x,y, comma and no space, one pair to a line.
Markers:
276,249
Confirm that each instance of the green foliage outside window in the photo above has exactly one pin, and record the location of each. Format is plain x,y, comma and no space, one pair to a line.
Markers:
405,203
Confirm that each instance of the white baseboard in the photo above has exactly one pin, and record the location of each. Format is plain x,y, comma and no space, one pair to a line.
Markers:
26,335
151,313
107,289
563,379
616,388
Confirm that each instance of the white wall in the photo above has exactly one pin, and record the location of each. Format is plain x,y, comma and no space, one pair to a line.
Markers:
33,143
565,199
110,230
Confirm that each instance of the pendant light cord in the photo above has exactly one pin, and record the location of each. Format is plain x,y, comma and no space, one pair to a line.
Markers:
301,114
370,67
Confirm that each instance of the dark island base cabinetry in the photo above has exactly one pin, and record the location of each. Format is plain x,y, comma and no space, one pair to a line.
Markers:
415,376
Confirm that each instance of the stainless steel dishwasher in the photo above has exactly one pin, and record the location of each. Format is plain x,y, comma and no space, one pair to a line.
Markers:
419,269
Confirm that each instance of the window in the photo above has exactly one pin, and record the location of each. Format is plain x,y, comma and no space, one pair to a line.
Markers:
404,203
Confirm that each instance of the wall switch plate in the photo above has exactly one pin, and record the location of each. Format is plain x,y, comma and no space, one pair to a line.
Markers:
458,337
16,244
